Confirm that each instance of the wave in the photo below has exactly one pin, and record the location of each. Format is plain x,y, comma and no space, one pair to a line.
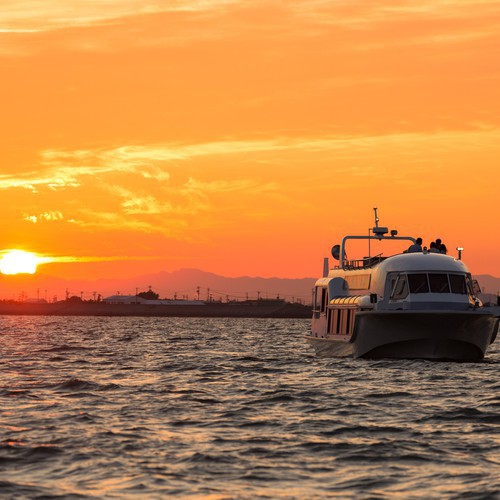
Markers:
466,415
76,384
65,348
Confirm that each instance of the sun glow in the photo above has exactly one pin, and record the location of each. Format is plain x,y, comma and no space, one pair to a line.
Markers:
18,262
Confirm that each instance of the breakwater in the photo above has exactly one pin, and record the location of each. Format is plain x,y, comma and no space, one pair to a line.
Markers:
258,309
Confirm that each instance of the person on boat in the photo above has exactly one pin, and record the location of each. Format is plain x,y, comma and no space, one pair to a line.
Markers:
434,248
416,247
441,246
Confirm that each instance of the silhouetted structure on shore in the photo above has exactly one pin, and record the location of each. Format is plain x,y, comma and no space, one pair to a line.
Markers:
245,309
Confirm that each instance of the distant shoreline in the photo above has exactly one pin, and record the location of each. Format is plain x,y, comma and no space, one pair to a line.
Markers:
209,310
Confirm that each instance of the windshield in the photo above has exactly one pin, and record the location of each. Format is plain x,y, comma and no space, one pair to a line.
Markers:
416,283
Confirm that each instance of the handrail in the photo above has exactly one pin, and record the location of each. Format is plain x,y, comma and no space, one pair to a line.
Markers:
344,263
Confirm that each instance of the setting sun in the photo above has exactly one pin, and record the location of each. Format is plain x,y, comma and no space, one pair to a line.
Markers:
18,261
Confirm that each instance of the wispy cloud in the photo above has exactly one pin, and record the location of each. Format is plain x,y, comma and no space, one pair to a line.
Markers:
42,15
59,259
354,26
368,26
162,188
60,169
65,169
45,217
92,220
139,203
225,186
145,205
33,180
360,13
101,161
27,16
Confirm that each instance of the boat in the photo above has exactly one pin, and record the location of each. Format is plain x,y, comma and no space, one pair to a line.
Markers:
410,305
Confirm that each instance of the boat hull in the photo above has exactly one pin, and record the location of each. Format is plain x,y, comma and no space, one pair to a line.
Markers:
439,335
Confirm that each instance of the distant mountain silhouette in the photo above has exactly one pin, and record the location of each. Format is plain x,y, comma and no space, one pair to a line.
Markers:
488,283
490,288
186,281
181,283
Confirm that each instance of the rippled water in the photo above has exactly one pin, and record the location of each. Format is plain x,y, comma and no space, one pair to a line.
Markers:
234,409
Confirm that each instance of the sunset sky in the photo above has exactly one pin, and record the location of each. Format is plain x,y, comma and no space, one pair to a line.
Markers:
245,137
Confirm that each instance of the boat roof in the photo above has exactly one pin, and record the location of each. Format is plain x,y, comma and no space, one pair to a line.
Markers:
400,263
421,261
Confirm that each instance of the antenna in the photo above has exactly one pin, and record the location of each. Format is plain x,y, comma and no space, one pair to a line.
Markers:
378,231
376,216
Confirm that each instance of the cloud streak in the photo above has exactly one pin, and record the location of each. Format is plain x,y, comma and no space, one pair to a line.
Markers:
28,16
45,217
315,19
68,259
63,169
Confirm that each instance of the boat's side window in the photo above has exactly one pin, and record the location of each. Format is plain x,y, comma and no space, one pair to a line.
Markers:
333,322
439,283
391,283
470,288
323,299
400,289
458,284
317,298
348,321
418,283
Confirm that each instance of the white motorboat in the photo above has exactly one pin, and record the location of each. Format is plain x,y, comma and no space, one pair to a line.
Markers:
418,305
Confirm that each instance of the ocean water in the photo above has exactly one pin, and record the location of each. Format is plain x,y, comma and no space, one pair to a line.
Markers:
234,409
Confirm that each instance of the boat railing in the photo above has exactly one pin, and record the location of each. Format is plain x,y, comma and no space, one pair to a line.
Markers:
364,263
368,262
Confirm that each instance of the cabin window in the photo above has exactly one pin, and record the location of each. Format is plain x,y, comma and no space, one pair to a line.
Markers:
400,290
316,303
458,284
324,299
333,321
343,318
473,285
319,299
348,321
392,282
403,284
439,283
418,283
341,321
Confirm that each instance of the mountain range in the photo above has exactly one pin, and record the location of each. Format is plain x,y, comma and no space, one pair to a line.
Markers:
184,283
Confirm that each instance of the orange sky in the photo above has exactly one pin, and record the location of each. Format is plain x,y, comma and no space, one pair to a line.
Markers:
245,137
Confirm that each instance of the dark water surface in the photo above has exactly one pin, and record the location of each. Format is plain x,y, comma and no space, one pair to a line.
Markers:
234,409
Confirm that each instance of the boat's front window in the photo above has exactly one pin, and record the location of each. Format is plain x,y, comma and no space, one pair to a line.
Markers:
458,284
439,283
418,283
400,290
402,284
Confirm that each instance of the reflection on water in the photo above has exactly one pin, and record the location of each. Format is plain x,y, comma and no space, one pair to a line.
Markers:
234,408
